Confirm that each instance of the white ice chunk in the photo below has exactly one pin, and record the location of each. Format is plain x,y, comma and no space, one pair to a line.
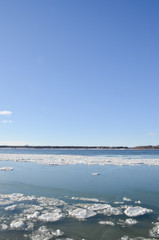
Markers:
111,211
127,199
34,215
107,223
87,199
137,238
45,234
30,226
118,202
81,213
125,238
97,207
3,226
51,217
136,211
57,233
154,232
72,159
11,208
6,169
131,221
17,224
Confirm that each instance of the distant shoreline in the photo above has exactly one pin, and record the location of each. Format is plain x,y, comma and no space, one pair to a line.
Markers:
149,147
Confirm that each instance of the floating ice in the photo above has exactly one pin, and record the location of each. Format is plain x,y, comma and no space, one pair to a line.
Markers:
121,222
6,169
118,202
87,199
32,211
51,217
97,207
81,213
30,226
11,208
50,202
17,224
107,223
125,238
154,232
111,211
127,199
131,221
32,216
137,238
45,234
136,211
66,239
3,226
73,159
95,173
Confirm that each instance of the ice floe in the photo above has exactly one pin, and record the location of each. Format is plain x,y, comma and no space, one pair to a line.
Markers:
17,224
33,215
127,199
106,223
6,169
87,199
45,234
51,217
3,226
137,211
118,202
137,238
110,211
138,202
154,232
131,221
74,159
11,208
82,213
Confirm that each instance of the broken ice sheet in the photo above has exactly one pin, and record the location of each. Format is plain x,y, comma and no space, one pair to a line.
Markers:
26,213
44,233
73,160
80,213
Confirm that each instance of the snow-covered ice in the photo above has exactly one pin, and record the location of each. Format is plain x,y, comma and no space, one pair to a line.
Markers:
82,213
51,216
73,159
17,224
137,211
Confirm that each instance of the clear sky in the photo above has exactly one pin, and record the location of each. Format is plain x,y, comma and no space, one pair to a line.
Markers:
79,72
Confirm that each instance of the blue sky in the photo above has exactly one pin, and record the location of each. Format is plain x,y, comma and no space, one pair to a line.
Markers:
81,72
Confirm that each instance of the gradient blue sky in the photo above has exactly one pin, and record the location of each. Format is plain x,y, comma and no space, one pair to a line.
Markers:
79,72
